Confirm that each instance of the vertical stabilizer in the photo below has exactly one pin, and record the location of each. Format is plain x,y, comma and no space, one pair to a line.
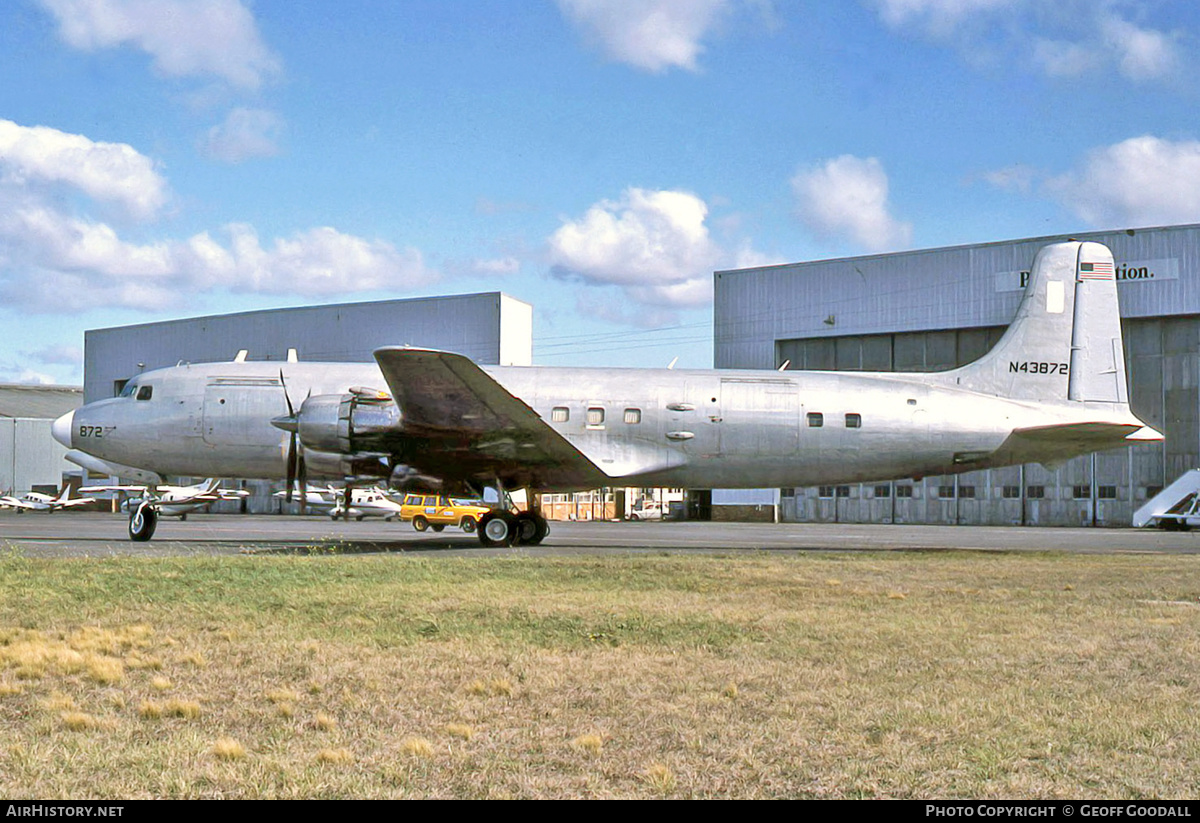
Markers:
1065,341
1097,354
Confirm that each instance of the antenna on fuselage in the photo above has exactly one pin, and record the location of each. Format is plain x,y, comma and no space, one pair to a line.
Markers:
240,357
786,363
293,356
671,365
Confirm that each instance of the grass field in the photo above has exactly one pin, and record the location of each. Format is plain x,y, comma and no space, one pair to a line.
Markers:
823,675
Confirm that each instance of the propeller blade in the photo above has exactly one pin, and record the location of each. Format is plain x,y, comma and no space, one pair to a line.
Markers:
302,476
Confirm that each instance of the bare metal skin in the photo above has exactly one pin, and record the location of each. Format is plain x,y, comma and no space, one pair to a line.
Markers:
1054,387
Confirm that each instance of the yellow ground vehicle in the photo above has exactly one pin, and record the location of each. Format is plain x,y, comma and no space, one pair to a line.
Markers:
437,511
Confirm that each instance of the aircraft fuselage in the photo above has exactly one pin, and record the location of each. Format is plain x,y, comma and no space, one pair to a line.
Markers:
700,429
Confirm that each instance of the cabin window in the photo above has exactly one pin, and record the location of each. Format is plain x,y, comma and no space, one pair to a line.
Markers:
1012,492
883,491
633,415
904,491
816,420
1081,492
1035,492
1107,492
145,392
853,421
560,414
595,416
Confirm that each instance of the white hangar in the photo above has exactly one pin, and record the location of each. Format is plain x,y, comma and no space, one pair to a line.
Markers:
936,309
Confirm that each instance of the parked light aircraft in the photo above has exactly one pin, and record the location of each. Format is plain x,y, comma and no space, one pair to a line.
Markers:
371,502
1052,388
173,501
38,502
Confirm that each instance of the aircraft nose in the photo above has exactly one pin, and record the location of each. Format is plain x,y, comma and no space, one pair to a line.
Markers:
62,428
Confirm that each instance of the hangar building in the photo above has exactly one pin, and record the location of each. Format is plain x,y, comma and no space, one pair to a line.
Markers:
490,328
30,459
937,309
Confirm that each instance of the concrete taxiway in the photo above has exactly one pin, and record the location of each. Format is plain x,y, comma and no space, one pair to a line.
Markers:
79,534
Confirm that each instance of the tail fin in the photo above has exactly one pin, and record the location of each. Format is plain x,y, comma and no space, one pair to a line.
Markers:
1065,342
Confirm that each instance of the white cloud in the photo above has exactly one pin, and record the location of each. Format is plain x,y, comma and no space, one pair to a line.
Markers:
110,172
57,260
939,17
501,266
1017,177
654,35
652,244
186,38
1143,181
1063,39
244,134
847,197
1144,54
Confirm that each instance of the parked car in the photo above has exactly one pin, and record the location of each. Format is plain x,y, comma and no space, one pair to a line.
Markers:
646,510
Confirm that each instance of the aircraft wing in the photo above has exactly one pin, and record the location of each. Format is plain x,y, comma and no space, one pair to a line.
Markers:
460,424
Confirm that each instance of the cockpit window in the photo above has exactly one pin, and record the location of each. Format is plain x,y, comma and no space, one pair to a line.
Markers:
144,392
129,389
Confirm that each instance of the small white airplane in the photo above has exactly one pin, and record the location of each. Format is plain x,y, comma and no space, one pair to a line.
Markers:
173,501
38,502
372,502
1052,388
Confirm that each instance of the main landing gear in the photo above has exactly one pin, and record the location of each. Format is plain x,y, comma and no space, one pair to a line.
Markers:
500,527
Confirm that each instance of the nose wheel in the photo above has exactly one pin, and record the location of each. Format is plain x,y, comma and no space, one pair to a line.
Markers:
142,522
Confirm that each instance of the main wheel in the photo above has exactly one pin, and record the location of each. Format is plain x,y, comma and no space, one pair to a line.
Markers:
467,525
532,529
498,528
420,523
142,523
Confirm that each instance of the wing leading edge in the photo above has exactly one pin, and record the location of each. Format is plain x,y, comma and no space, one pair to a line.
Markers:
461,425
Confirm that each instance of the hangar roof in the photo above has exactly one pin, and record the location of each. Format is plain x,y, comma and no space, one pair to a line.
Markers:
45,402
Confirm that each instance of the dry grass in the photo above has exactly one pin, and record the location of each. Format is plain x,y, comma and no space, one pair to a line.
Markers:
682,676
226,748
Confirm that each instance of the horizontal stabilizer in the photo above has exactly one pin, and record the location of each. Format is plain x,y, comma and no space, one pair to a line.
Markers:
1054,444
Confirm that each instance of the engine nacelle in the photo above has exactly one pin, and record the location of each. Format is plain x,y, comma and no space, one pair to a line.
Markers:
337,466
346,423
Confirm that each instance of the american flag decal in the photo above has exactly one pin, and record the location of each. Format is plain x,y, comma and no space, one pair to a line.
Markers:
1096,271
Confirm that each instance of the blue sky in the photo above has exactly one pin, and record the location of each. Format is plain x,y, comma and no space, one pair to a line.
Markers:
597,158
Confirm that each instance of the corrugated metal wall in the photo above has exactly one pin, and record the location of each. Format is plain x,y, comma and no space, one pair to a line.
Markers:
29,456
470,324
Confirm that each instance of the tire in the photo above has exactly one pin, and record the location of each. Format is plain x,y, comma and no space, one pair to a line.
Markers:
634,517
360,518
498,528
467,525
142,522
420,523
532,529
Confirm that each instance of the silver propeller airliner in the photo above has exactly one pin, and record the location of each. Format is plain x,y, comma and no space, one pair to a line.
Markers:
1052,388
